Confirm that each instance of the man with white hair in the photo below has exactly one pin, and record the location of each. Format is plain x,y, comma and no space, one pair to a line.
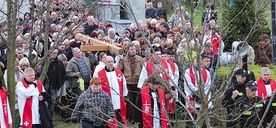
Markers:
265,84
266,87
152,26
114,39
90,26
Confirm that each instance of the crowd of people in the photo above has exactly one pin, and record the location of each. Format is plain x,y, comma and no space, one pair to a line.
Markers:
141,85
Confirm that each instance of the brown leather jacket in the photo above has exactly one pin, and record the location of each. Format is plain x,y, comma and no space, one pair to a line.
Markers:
124,66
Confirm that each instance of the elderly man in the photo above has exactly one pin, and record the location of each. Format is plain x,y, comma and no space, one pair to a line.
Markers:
266,87
265,84
78,66
114,83
90,26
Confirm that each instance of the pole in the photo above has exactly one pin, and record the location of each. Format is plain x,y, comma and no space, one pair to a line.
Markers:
273,31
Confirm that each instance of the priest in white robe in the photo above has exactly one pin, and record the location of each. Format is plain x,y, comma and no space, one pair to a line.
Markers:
114,83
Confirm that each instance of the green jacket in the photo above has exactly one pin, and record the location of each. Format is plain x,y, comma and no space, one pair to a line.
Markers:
72,69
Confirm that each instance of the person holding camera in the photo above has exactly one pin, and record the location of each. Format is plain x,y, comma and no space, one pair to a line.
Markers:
152,103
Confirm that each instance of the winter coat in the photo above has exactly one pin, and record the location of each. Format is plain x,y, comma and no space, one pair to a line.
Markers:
264,54
72,69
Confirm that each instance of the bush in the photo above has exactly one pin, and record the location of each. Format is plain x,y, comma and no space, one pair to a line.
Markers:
245,18
223,72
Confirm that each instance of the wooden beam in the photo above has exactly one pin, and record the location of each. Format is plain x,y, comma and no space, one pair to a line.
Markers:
85,48
95,42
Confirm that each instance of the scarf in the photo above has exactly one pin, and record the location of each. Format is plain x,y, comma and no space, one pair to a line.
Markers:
4,100
27,112
262,90
172,66
149,65
165,65
192,75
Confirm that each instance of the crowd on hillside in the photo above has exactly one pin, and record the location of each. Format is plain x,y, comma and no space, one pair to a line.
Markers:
101,88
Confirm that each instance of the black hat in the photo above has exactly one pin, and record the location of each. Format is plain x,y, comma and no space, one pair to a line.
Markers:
156,48
251,84
154,80
169,52
241,72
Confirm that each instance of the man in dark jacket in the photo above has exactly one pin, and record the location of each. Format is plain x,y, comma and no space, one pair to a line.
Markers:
160,11
234,93
250,107
56,75
208,15
150,11
90,26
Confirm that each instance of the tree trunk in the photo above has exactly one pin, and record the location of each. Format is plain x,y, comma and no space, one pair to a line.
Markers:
47,60
11,16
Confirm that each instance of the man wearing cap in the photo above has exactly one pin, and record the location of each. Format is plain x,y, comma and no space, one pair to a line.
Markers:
249,108
266,87
233,93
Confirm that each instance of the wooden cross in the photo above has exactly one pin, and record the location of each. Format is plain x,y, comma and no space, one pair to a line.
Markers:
97,45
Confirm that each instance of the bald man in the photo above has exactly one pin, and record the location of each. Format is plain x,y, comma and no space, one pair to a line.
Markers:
114,83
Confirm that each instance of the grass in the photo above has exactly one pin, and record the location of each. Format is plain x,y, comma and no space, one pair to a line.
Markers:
59,123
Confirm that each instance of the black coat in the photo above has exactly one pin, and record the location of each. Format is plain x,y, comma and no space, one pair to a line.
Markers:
56,74
213,16
45,114
251,111
160,12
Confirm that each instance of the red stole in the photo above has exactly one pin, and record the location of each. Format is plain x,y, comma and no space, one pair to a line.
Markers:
4,100
149,65
27,112
193,80
261,87
192,75
106,88
171,104
147,108
172,66
165,65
